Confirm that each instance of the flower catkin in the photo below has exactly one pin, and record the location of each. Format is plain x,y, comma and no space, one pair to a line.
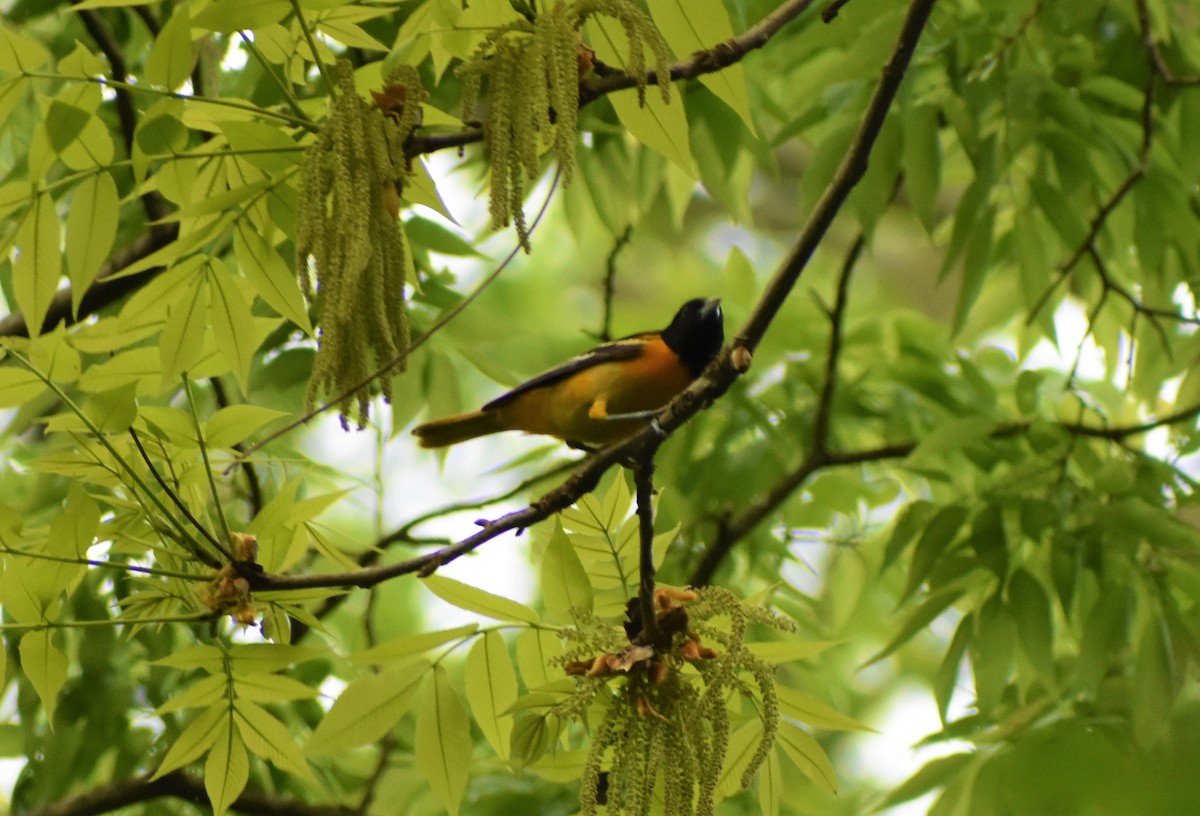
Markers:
348,226
532,70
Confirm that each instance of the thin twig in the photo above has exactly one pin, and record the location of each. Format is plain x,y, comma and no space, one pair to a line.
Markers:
610,281
1157,60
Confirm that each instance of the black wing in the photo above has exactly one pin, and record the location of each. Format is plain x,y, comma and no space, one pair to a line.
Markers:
627,348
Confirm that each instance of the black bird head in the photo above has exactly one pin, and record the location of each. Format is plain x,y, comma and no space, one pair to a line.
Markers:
696,333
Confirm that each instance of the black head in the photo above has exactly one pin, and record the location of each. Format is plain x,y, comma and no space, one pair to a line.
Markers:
696,333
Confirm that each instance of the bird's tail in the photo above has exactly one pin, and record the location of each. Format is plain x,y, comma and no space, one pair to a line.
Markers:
458,428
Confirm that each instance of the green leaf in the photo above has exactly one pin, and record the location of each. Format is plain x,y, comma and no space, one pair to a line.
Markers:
661,126
404,647
127,368
479,601
270,739
270,275
807,755
932,775
491,686
689,26
227,768
45,666
171,57
197,738
271,657
941,531
1030,607
206,691
227,16
236,423
232,322
991,653
91,231
112,411
922,163
1152,692
38,265
443,740
367,709
771,785
786,651
64,123
742,744
913,519
208,658
73,530
536,648
18,386
183,332
930,608
564,582
429,235
532,736
19,54
802,706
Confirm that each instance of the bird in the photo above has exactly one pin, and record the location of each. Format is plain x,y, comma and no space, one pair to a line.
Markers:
603,395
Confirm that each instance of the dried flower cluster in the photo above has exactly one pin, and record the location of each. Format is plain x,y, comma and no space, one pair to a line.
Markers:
669,717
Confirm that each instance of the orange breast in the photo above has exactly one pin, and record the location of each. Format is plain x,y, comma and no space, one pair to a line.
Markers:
626,386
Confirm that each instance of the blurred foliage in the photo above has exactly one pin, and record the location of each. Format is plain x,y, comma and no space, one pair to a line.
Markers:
1000,507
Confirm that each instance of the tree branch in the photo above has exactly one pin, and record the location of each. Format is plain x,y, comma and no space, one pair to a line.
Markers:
734,529
643,477
179,785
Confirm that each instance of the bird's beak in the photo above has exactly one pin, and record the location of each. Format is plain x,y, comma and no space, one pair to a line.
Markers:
712,306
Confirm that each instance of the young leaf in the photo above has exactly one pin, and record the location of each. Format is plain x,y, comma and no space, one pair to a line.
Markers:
805,707
183,332
785,651
232,322
270,739
771,785
37,268
443,740
367,709
197,738
941,531
565,584
235,423
91,231
697,25
742,745
171,58
535,649
479,601
491,685
807,755
45,666
404,647
1035,623
933,775
227,768
270,276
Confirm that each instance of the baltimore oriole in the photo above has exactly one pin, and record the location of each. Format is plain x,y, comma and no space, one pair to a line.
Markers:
602,395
